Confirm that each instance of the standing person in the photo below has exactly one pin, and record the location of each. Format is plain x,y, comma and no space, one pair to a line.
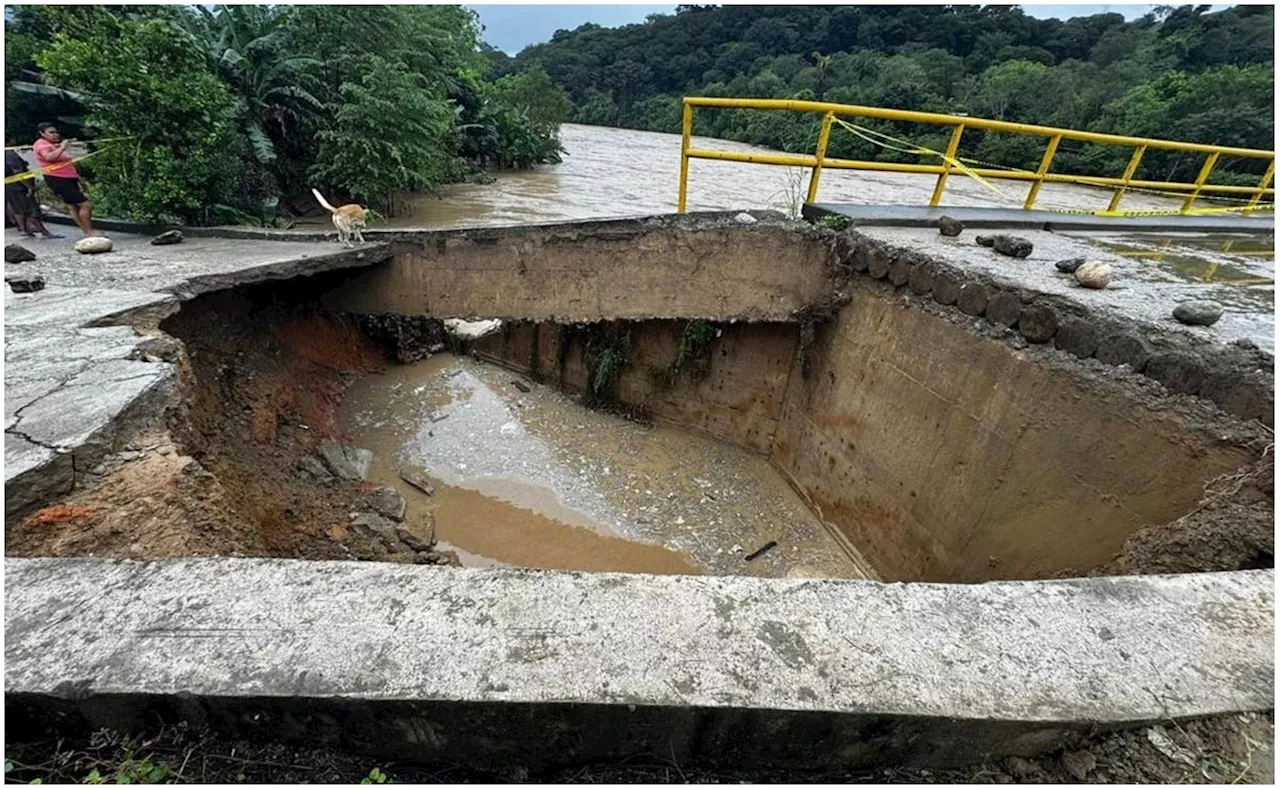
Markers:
61,175
19,196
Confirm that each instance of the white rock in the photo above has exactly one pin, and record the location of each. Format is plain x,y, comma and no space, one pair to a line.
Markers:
93,245
1094,274
745,218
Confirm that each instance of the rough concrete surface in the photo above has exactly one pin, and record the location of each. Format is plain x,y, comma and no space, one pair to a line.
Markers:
427,663
73,391
667,267
1140,289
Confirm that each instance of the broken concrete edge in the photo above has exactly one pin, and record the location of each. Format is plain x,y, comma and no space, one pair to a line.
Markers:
622,222
1035,219
1237,377
455,664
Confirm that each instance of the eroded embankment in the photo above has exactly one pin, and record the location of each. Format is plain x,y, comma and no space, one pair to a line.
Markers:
261,373
941,447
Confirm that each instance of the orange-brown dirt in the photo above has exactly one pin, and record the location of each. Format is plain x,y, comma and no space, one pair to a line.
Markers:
260,384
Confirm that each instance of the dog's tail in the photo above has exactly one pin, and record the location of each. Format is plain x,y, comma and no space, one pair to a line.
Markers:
323,202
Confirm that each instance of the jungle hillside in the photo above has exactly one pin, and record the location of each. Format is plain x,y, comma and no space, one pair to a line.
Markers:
1179,73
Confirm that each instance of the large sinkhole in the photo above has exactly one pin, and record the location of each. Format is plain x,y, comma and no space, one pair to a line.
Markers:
884,441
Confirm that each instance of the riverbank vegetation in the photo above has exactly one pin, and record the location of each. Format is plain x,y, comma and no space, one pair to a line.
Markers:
232,113
1178,73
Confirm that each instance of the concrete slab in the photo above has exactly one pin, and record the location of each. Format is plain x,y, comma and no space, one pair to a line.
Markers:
197,265
1016,218
430,664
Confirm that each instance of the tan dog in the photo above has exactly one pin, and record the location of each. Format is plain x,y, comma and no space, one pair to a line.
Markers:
349,219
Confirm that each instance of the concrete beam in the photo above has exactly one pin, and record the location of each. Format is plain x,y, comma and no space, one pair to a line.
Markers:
544,668
713,268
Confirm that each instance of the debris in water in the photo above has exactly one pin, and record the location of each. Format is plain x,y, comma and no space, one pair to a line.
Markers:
439,417
418,482
762,550
522,386
1069,266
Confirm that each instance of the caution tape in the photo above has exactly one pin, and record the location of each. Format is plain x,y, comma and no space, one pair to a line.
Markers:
101,141
906,146
27,175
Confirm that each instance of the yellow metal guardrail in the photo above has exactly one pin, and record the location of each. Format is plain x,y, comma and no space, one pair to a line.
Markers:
949,162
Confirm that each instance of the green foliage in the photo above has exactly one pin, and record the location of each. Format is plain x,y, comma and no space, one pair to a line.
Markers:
695,347
1181,73
141,80
375,776
237,109
835,222
389,134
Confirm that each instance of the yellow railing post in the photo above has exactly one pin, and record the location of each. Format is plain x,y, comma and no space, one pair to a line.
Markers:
1200,181
686,132
1042,170
952,147
1128,176
823,137
1262,188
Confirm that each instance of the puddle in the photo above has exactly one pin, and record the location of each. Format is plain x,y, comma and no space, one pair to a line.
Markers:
533,479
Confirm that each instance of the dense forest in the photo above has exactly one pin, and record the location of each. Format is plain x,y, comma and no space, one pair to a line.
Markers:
221,113
1179,73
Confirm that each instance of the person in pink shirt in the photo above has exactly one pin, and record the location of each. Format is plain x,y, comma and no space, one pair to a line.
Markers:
61,175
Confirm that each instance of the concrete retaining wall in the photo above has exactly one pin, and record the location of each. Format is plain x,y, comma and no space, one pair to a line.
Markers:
539,668
690,268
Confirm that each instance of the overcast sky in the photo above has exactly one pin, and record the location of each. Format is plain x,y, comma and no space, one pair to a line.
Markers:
511,28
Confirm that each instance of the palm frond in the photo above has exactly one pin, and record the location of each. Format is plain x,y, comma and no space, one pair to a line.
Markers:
263,149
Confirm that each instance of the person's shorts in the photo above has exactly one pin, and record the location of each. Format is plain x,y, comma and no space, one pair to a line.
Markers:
67,189
20,201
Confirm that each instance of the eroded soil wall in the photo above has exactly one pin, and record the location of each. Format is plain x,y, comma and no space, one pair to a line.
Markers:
940,454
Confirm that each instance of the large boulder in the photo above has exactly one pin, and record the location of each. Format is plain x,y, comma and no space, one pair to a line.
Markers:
17,254
344,461
93,245
1198,313
1094,274
167,237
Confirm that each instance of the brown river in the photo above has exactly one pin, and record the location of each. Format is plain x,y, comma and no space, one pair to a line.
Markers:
610,172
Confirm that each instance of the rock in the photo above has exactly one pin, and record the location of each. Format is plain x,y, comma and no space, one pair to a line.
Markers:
950,227
315,468
374,525
1069,266
387,502
17,254
900,271
878,263
1198,313
1013,246
344,461
1076,336
1093,274
946,288
1179,373
167,237
93,245
972,299
1004,308
745,219
412,540
1038,323
337,533
25,283
1079,764
921,280
522,386
418,482
1121,349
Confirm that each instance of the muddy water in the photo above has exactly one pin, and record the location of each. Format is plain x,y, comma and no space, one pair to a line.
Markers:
533,479
610,172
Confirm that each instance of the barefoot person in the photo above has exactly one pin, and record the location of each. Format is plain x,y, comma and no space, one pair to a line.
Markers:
19,196
61,176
